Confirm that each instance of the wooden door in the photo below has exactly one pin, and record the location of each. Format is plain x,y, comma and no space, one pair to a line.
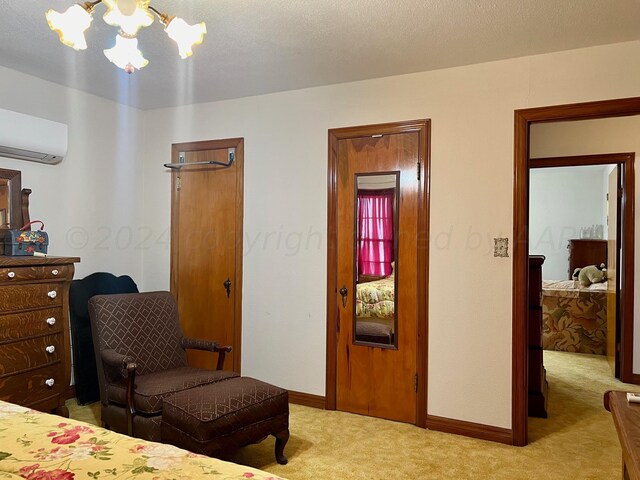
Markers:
377,374
206,246
613,211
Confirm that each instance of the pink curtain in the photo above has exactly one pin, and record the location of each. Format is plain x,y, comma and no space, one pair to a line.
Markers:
375,232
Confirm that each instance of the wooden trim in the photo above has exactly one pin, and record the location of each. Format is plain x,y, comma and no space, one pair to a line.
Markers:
523,119
423,127
470,429
628,273
582,111
581,160
307,399
519,381
237,334
422,282
238,144
332,273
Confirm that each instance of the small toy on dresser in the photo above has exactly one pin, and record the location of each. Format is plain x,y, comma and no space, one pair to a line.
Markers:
633,397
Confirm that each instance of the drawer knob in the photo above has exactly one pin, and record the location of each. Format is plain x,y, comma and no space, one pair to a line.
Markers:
54,272
51,321
52,294
11,274
49,382
50,349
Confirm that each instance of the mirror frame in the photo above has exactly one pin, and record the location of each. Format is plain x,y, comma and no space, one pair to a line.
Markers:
396,246
14,180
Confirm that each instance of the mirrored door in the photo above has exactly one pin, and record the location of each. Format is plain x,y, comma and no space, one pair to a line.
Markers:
379,266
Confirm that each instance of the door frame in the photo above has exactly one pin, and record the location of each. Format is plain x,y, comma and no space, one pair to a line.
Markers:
423,127
523,119
624,319
238,144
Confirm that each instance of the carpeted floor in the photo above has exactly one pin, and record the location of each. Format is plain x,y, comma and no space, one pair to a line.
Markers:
577,441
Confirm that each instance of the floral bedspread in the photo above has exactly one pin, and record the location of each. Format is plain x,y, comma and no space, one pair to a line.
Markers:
39,446
574,319
375,299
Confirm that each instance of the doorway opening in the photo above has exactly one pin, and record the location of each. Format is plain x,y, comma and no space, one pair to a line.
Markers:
377,269
575,246
524,120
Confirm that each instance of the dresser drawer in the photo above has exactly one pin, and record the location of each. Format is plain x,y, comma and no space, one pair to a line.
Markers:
28,324
10,275
30,387
34,352
23,297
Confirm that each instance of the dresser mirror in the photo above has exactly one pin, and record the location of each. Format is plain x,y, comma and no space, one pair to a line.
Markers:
10,199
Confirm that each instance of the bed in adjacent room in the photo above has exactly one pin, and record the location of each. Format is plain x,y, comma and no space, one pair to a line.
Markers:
35,445
574,318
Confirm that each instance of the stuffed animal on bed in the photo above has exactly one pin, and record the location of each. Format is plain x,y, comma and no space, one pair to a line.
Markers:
591,274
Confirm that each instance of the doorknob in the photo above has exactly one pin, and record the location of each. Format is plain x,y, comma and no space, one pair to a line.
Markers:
344,292
227,285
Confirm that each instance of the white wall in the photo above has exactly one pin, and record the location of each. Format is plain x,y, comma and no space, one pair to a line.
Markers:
607,135
471,109
91,200
561,202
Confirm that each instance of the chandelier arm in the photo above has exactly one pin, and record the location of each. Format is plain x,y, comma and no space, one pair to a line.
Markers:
90,6
164,18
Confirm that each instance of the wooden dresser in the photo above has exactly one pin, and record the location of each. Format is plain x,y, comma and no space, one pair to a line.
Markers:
584,252
538,385
35,358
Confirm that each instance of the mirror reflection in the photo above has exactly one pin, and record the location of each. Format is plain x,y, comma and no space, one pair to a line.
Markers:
5,209
375,254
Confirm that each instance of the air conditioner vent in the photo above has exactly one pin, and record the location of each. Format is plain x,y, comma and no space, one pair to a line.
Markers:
31,138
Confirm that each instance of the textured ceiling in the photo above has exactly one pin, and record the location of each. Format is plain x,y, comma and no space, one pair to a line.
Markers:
262,46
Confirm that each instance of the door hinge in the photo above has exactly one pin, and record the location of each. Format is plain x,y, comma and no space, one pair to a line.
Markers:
178,183
415,383
620,192
419,169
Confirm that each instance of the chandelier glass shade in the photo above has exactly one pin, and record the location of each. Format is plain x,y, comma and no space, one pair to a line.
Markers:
129,16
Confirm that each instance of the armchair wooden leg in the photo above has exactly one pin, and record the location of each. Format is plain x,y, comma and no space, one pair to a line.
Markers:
281,440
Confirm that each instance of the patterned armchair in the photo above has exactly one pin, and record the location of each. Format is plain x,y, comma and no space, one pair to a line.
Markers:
141,359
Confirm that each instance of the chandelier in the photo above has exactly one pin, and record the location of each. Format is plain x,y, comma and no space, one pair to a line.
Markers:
130,16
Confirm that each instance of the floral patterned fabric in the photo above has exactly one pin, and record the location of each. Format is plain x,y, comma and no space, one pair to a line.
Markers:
38,446
375,299
574,319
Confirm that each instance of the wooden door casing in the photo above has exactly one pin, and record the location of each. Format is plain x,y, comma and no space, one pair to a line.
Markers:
612,269
339,342
206,247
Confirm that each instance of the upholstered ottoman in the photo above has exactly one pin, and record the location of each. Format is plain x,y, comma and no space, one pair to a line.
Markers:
374,332
215,418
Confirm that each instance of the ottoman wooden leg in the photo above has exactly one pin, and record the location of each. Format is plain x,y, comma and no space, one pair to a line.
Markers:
281,440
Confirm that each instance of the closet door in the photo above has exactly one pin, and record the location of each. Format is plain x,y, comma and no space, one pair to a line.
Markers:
380,275
206,245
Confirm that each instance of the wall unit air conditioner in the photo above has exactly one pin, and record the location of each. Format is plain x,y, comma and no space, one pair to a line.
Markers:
31,138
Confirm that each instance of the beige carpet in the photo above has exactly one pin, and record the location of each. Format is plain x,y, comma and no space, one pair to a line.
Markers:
577,441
